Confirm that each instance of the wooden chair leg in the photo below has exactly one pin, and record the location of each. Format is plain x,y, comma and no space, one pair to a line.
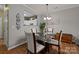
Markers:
58,49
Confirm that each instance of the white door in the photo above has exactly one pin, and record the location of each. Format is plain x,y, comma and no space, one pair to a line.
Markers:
0,27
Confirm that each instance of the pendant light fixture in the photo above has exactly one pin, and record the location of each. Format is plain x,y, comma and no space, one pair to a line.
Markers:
47,15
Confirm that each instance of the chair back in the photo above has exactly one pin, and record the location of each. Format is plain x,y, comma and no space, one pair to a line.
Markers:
34,30
50,30
31,42
60,37
59,41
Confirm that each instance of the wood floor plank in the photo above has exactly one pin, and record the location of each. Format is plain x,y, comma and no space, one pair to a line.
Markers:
22,49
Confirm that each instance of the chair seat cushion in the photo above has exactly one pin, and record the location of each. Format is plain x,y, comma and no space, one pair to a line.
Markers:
53,41
39,47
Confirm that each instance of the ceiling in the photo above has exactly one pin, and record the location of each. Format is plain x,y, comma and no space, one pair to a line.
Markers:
41,8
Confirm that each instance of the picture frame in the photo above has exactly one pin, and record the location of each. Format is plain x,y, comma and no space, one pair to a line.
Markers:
32,20
18,21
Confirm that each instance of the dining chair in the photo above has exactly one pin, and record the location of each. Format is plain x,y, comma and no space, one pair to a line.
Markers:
49,30
33,45
34,30
56,41
59,41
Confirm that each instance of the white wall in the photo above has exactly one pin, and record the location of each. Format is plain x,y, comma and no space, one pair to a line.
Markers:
67,21
14,34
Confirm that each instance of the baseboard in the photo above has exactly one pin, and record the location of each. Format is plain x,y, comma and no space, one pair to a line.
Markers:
16,45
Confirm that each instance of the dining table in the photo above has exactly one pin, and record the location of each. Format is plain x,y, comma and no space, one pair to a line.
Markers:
47,40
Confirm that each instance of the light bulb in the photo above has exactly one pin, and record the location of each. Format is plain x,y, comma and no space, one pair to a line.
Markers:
24,14
44,18
49,18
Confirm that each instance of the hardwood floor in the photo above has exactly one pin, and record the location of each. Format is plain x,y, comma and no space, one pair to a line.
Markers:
22,49
65,48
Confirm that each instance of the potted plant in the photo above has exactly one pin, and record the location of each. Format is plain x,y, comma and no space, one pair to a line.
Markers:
42,27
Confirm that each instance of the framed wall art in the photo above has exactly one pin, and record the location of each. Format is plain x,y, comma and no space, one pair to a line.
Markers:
32,20
18,21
